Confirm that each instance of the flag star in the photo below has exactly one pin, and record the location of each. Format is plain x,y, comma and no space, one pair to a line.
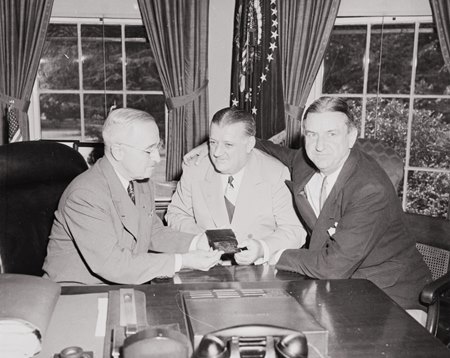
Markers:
274,34
272,2
273,46
234,102
269,57
254,110
263,77
274,23
274,11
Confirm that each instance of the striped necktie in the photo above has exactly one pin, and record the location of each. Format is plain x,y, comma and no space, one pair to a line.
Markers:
130,191
228,203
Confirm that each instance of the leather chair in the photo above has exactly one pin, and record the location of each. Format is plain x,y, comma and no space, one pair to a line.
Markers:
432,236
386,157
432,240
33,175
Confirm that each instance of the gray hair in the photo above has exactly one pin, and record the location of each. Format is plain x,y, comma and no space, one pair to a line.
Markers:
231,115
119,121
332,104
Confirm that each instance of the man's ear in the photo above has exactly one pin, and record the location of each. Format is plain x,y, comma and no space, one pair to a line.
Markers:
117,152
353,135
251,143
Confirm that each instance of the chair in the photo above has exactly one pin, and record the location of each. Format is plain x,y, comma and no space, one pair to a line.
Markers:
433,242
33,176
385,156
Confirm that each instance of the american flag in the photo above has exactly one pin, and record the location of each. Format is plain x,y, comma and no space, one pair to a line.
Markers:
14,134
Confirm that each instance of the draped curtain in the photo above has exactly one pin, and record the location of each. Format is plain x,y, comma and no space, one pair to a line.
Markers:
255,75
178,35
23,27
441,16
305,29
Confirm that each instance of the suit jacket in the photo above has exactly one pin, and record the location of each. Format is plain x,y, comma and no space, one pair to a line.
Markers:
100,236
360,232
263,210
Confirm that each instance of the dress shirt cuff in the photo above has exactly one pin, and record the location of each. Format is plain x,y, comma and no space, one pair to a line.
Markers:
266,254
276,256
194,242
178,262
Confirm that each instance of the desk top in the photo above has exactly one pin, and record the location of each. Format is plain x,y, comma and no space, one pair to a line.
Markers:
362,320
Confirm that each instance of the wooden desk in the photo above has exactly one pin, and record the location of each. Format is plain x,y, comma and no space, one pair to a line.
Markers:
361,320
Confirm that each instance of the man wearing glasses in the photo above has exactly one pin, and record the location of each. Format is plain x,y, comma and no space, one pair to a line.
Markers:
106,223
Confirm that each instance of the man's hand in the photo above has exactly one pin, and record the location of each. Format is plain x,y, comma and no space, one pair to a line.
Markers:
195,155
201,260
254,251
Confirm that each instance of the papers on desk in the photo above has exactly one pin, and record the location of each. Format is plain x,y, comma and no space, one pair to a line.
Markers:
26,305
78,320
18,339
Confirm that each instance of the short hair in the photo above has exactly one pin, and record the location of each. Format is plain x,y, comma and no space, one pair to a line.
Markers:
119,120
232,115
332,104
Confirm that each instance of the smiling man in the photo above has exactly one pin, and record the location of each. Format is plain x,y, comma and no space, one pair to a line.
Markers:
350,209
238,187
106,223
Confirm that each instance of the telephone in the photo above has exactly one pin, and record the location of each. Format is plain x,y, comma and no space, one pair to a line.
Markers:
232,342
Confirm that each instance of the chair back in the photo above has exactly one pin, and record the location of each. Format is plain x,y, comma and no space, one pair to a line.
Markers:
432,240
385,156
33,176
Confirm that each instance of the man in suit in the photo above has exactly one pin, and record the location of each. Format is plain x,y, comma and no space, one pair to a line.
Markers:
106,223
349,207
238,187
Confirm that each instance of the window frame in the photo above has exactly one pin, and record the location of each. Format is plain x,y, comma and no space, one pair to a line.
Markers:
34,114
316,91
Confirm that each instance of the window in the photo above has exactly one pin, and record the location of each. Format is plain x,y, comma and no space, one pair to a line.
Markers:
393,72
90,66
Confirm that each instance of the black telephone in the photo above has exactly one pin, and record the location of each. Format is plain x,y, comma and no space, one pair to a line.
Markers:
276,342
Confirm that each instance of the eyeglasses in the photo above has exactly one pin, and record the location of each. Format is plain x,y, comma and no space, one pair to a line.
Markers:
149,151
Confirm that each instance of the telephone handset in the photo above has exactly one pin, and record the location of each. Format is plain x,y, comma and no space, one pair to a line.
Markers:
276,342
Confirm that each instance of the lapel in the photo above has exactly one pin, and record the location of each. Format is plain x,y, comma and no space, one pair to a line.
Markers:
331,210
145,206
297,188
127,211
249,194
214,198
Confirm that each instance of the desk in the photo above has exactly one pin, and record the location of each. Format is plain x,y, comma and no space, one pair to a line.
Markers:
362,320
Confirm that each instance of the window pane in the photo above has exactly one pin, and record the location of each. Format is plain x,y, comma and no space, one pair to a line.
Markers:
387,120
60,116
430,136
153,104
142,73
95,113
432,76
58,67
428,193
102,55
393,46
343,61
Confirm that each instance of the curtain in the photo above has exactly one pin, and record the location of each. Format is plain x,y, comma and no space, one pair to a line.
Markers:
255,75
305,28
178,35
23,26
441,16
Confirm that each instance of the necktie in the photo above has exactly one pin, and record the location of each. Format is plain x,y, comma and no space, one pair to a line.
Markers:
229,204
130,191
323,193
